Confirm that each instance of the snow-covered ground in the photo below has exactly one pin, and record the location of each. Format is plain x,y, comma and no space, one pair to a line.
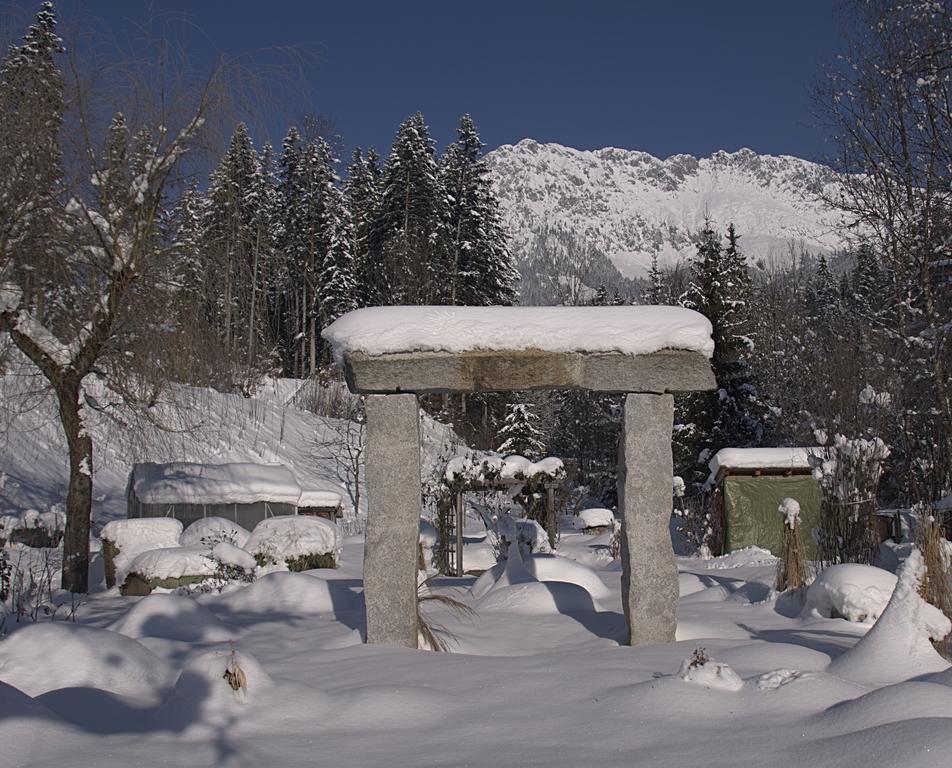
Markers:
537,678
537,675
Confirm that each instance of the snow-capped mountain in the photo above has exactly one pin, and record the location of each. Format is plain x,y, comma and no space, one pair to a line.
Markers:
630,204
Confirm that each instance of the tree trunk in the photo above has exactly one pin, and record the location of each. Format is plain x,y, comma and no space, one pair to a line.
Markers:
80,493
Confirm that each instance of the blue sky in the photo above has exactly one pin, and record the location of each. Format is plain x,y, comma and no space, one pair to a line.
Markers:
664,77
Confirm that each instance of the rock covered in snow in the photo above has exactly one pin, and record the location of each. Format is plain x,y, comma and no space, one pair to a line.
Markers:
898,646
850,591
291,536
594,518
211,530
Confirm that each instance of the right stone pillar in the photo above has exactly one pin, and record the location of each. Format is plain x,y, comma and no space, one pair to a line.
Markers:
649,578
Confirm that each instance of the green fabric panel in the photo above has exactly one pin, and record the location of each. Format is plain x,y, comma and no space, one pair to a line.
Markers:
750,510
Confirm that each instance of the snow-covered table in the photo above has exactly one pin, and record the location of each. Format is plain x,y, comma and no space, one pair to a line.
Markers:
394,354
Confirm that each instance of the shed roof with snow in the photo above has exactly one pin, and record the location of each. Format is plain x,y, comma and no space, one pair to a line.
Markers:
750,484
243,491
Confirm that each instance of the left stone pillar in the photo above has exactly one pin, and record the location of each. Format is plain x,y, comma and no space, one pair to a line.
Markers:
393,523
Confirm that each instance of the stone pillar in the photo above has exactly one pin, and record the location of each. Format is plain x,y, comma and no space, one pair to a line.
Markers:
645,470
393,523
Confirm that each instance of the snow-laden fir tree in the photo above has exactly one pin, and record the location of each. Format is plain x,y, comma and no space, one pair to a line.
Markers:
407,246
361,194
480,265
338,286
520,434
721,291
657,292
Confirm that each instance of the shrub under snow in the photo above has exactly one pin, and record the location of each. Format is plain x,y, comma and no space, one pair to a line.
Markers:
124,540
300,542
211,530
851,591
594,518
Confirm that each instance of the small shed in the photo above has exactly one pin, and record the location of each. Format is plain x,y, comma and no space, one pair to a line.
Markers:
326,504
747,486
243,492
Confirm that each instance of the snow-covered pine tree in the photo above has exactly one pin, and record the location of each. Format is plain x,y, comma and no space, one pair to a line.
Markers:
306,184
407,244
236,250
520,433
479,261
31,117
338,287
657,291
362,196
731,416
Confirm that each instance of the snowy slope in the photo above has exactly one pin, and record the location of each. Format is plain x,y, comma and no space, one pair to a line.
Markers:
209,427
629,204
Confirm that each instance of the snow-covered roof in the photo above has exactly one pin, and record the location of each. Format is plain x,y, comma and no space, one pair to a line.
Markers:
315,498
239,483
761,458
625,329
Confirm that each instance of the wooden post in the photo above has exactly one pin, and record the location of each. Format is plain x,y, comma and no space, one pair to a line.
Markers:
550,521
460,517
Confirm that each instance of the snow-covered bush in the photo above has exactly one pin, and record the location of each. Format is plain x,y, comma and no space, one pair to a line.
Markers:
299,542
34,528
701,669
594,520
123,540
211,530
849,481
850,591
168,568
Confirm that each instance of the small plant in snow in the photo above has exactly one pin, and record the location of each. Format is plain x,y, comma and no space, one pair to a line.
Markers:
235,675
433,636
701,669
699,658
792,566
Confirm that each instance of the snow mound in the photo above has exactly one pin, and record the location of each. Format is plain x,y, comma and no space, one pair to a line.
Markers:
285,594
172,617
49,656
625,329
174,563
897,647
53,521
748,556
552,568
710,674
594,518
689,584
536,598
202,696
138,535
288,536
889,704
850,591
211,530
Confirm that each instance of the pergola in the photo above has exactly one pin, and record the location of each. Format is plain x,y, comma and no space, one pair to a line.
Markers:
394,354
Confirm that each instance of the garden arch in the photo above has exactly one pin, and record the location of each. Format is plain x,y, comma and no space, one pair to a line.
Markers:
395,354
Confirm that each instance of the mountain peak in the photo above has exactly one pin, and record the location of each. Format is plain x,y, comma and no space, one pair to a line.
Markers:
631,205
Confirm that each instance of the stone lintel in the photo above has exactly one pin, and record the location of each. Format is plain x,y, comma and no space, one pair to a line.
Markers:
669,370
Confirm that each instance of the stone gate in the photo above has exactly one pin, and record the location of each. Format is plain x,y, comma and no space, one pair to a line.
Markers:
394,354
